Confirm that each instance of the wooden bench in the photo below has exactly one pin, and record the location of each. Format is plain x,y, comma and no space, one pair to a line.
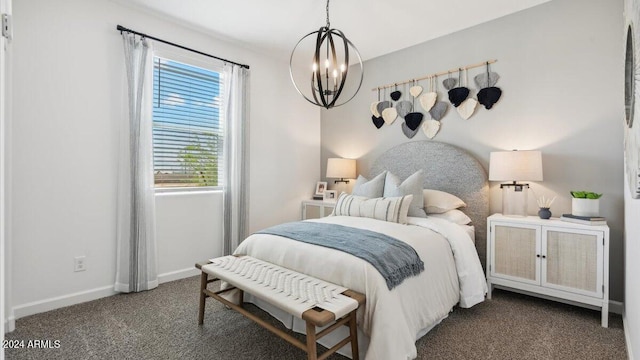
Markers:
314,317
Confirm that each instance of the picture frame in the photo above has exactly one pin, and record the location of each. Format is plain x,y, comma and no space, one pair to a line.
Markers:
321,187
330,195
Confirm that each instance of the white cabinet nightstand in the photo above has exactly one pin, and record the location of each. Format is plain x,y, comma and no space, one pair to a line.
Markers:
314,209
551,258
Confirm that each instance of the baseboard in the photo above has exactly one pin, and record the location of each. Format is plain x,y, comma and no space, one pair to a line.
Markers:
10,324
177,275
616,307
627,337
40,306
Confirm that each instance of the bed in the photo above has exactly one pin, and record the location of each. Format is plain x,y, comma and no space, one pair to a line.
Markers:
392,320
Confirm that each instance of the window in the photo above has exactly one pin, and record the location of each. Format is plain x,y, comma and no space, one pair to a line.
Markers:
188,125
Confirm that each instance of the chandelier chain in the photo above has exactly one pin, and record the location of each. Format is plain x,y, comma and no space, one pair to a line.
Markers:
328,23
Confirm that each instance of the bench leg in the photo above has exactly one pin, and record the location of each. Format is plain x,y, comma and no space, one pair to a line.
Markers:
241,298
204,278
353,333
312,351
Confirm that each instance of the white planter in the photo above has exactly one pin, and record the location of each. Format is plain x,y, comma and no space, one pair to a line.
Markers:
585,207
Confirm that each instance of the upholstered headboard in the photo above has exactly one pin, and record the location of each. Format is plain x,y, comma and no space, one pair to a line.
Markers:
446,168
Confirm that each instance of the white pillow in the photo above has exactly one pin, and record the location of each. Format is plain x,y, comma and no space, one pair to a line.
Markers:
455,216
438,202
369,188
410,186
393,209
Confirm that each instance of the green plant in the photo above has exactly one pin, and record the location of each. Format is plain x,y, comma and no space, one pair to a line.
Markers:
585,195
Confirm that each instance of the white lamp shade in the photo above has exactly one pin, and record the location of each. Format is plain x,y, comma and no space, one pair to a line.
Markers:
515,166
341,168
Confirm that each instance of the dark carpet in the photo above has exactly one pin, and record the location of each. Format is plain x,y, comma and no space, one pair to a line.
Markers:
161,324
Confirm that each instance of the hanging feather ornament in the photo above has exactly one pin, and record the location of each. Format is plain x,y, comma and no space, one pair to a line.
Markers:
376,118
489,94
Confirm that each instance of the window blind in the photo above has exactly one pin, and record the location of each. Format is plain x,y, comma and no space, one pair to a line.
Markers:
188,125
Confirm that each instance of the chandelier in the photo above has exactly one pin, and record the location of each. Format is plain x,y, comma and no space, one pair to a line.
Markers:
329,67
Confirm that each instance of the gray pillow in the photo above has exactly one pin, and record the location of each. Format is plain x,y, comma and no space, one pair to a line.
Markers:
393,187
369,188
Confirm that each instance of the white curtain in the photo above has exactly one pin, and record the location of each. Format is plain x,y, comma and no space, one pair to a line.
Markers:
136,254
236,160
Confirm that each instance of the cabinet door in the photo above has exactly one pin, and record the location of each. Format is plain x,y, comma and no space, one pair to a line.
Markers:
316,210
515,250
310,211
573,260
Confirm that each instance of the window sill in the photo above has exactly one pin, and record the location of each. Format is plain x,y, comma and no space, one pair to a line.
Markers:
187,191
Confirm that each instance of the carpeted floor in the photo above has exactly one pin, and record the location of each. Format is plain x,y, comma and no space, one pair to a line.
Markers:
161,324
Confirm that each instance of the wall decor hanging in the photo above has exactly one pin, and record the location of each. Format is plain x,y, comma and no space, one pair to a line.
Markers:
330,66
431,128
395,95
449,83
377,119
412,120
404,107
427,100
439,109
489,94
467,107
458,94
408,132
415,89
389,114
374,106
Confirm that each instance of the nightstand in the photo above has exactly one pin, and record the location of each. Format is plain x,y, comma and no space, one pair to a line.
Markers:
553,259
314,209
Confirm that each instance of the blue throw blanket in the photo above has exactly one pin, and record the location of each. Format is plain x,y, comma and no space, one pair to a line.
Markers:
394,259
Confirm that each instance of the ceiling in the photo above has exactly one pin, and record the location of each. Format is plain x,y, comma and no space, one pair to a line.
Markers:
376,27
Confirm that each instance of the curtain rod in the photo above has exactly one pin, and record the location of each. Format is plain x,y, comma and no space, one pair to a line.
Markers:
122,28
450,71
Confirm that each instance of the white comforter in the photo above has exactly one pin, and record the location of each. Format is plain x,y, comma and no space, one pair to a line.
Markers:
391,319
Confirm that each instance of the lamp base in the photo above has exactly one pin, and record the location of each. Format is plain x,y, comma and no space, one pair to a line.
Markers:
514,199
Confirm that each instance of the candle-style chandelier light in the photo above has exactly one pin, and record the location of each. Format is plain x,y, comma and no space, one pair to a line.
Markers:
332,60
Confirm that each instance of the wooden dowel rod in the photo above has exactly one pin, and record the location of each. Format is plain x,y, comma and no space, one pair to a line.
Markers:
339,323
297,343
225,290
337,347
484,63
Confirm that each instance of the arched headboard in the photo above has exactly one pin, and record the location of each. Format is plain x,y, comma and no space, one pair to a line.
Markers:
446,168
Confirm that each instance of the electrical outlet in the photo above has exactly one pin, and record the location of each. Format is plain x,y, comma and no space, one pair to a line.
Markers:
79,263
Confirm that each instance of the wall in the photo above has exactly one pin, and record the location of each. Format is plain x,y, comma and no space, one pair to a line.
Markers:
5,86
631,314
561,74
632,268
68,94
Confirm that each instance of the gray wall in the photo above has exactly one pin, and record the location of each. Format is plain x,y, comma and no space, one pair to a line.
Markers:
561,70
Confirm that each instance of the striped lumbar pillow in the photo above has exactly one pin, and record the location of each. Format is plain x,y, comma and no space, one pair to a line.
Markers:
392,209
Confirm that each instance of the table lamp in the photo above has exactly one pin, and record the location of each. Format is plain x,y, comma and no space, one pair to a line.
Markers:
515,166
344,169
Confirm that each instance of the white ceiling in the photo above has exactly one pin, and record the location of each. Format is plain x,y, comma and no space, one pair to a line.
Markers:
376,27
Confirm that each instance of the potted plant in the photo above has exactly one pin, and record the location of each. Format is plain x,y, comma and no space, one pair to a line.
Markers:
585,203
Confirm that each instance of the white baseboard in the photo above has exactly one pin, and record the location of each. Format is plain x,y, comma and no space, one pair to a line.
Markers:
616,307
177,275
40,306
10,324
627,337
